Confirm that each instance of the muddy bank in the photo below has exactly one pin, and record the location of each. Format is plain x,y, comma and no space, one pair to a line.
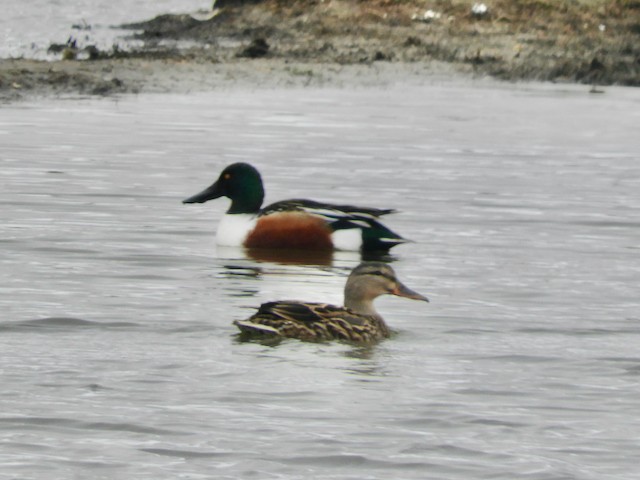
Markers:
277,42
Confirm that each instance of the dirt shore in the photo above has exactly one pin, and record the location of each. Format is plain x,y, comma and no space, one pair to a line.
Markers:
259,43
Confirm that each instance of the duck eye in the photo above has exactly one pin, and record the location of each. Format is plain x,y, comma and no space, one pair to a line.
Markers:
227,176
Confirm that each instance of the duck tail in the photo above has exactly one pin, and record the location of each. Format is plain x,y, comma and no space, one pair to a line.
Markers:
256,329
375,235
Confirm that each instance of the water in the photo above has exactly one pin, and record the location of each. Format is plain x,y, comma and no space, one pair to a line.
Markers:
27,28
117,354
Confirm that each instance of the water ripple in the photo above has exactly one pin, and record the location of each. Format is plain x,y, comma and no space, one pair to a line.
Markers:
34,423
167,452
63,324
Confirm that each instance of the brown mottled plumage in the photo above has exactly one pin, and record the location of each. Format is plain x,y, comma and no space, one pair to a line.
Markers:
357,321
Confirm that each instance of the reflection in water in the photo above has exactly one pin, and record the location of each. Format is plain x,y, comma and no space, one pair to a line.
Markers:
364,359
378,257
365,371
246,257
366,363
294,275
267,340
241,271
362,352
245,292
310,258
291,257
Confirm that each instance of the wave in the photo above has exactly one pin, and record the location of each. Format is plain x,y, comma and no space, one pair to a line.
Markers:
61,323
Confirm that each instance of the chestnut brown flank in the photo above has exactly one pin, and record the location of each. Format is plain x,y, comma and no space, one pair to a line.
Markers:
290,230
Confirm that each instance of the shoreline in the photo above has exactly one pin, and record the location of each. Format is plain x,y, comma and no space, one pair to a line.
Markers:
36,78
274,43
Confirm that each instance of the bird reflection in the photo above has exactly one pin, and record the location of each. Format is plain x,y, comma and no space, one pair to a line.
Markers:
321,258
310,258
241,271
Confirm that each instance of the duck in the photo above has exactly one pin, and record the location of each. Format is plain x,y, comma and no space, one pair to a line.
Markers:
296,224
355,322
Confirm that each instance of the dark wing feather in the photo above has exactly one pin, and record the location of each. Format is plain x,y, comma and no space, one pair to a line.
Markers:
289,310
324,209
309,312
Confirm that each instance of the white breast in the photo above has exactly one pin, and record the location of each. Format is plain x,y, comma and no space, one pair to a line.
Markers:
233,229
348,239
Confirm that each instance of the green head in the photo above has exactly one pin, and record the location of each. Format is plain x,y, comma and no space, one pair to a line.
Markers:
239,182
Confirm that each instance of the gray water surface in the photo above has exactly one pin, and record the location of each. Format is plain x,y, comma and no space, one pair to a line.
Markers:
117,354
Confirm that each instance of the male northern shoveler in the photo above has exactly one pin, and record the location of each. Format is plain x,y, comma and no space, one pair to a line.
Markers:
292,224
357,321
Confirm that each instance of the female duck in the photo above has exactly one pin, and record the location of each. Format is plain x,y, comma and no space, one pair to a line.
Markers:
291,224
357,321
